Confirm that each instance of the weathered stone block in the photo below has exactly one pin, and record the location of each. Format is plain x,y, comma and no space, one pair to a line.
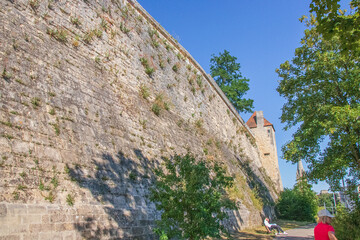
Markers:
47,152
26,219
36,228
57,218
33,209
18,228
33,236
4,228
51,235
20,147
64,227
137,230
84,210
10,237
45,219
16,209
69,236
10,220
4,145
3,210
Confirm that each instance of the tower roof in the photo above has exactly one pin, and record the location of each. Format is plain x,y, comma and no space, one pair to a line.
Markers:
252,122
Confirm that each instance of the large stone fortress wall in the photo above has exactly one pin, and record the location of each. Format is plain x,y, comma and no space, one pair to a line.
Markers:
82,123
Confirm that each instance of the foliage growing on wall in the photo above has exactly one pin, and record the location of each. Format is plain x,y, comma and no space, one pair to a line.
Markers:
191,196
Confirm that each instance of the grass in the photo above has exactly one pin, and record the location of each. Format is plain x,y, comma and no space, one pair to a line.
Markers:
144,91
132,175
154,43
6,75
34,4
56,128
50,197
9,124
35,102
70,200
16,195
41,186
148,70
59,34
88,36
15,45
21,187
156,109
162,64
143,123
98,33
19,81
166,106
259,232
199,123
76,21
124,29
175,68
290,224
55,182
52,112
7,136
104,24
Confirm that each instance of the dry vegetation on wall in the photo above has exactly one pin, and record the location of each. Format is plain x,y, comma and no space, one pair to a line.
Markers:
92,96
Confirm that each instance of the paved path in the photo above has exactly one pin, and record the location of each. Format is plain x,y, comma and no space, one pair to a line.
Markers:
306,232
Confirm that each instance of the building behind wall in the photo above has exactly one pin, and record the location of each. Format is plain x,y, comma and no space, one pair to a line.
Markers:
264,133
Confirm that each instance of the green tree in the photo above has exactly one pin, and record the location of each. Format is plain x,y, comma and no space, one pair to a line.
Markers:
191,196
299,203
321,87
343,24
327,199
226,72
346,223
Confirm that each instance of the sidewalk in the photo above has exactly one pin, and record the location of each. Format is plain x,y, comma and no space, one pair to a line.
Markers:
306,232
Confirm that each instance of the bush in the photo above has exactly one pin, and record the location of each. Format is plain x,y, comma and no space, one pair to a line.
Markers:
191,196
299,203
346,223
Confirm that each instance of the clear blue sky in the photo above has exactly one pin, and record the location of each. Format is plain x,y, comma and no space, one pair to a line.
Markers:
261,34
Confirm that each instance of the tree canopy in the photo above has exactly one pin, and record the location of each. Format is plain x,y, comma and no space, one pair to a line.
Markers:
191,196
327,200
322,89
299,203
226,72
344,24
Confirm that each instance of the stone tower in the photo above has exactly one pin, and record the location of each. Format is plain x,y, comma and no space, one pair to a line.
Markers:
264,133
300,172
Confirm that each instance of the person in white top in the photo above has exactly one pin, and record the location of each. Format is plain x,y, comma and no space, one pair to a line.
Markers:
271,226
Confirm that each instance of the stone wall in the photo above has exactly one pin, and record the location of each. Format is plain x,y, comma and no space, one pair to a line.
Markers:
92,95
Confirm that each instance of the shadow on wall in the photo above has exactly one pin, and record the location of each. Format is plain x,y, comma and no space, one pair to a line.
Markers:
256,184
260,191
119,186
122,210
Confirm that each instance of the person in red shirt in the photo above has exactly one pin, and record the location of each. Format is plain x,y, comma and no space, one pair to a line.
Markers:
323,230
